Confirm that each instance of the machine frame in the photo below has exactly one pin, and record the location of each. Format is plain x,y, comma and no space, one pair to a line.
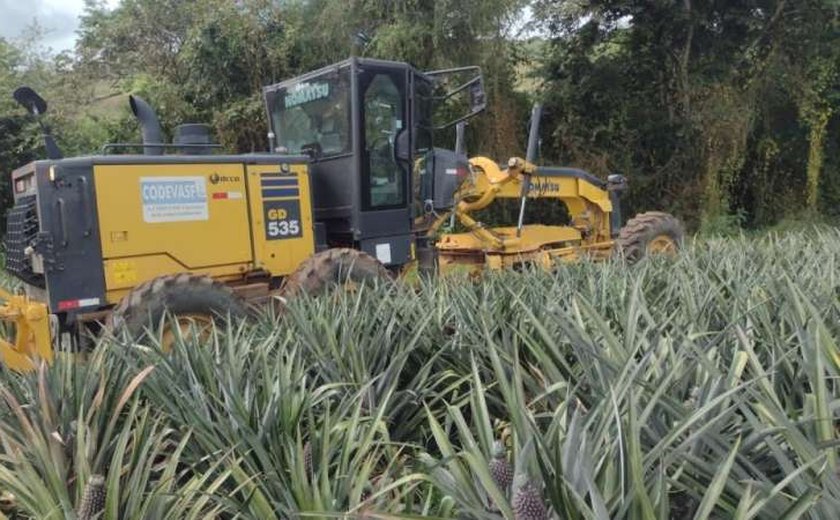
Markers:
352,186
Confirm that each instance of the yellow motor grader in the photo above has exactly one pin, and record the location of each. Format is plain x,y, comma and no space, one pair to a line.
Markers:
592,205
351,188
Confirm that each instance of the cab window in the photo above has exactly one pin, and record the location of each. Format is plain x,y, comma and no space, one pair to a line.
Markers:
314,115
384,118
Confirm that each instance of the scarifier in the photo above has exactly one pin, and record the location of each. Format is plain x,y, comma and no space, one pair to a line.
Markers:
351,189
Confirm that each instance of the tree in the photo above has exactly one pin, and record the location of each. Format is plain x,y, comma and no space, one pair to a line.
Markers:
208,60
13,149
690,99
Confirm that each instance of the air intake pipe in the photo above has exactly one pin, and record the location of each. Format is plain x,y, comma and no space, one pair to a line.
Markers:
193,135
149,125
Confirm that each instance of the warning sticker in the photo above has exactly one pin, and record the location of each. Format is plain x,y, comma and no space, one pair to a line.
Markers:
174,199
383,253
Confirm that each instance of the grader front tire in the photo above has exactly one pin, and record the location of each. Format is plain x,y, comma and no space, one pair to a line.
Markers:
332,268
650,233
189,302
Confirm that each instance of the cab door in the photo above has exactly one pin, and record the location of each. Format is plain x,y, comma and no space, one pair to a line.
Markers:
385,137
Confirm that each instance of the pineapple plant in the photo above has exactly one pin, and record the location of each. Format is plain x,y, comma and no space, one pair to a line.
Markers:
602,397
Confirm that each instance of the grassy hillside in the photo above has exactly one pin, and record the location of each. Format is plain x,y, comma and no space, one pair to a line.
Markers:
704,386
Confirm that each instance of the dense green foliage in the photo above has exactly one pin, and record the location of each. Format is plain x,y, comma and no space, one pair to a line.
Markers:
722,112
716,107
704,386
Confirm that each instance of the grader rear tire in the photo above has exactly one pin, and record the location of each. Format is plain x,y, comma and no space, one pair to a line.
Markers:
331,268
650,233
192,301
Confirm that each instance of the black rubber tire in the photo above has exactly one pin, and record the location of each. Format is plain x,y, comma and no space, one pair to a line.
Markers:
633,240
322,271
182,293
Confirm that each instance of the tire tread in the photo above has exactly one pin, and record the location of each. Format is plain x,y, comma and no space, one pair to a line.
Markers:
634,236
319,271
148,300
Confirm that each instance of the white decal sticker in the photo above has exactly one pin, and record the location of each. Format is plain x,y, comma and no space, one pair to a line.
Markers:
174,199
383,253
303,93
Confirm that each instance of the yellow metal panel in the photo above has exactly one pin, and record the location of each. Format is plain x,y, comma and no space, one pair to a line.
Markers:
533,237
180,217
596,195
491,170
553,187
158,219
281,214
122,274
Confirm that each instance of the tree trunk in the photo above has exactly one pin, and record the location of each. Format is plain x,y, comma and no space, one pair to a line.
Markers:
816,145
685,59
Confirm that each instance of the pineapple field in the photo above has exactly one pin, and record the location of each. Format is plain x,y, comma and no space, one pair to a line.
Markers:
703,386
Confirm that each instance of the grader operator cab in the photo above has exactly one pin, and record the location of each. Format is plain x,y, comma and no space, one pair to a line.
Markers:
352,188
364,123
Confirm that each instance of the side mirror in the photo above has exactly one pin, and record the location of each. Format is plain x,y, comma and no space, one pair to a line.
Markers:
36,106
402,146
30,100
478,98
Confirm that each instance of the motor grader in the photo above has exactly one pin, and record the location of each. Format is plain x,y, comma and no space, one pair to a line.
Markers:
350,188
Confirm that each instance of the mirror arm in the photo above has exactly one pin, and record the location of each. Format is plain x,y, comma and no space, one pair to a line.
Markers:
459,89
459,120
53,151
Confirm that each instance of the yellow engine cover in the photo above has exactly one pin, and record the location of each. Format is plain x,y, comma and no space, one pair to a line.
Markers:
222,219
282,228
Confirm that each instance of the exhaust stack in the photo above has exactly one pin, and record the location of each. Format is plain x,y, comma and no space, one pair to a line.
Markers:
534,134
460,138
149,125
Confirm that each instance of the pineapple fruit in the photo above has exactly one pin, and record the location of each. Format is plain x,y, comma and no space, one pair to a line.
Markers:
527,502
500,468
93,499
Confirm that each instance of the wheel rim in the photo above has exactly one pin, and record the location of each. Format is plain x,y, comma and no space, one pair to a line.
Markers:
662,244
188,326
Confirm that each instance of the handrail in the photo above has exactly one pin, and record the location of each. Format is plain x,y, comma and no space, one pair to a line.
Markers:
109,146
